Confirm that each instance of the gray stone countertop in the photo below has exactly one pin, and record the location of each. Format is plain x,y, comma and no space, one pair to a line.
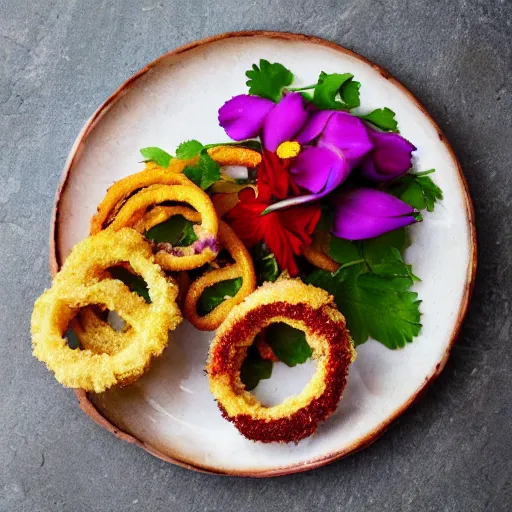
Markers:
60,59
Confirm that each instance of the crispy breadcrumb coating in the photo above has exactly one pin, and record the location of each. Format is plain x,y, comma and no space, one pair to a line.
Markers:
82,282
303,307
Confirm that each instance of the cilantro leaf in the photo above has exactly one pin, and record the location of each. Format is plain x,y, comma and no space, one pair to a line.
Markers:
349,93
204,173
157,155
289,344
329,87
134,282
254,369
417,190
383,118
188,236
189,149
177,231
371,288
266,267
216,294
373,305
268,80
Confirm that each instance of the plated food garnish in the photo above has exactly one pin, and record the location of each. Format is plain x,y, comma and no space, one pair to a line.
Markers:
288,240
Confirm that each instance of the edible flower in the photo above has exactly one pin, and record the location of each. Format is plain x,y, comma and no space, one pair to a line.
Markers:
390,158
366,213
331,144
284,232
246,116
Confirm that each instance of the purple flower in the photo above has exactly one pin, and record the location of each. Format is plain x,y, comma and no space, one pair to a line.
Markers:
366,213
247,116
390,158
210,242
333,143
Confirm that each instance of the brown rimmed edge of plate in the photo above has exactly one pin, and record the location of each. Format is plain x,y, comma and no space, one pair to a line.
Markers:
55,259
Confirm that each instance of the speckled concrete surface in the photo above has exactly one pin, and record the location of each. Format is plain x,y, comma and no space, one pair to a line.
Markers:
60,59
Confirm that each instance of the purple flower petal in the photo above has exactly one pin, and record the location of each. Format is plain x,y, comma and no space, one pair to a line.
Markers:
314,127
242,116
348,136
313,167
353,226
338,173
390,158
366,213
284,121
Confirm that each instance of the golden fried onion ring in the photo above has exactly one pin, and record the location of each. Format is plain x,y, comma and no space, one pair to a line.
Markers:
235,155
124,188
301,306
80,284
156,175
181,258
243,267
97,335
317,252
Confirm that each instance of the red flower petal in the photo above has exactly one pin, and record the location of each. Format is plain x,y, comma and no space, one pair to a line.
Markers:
273,174
285,232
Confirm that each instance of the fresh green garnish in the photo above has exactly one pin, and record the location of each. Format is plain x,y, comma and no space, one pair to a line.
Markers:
289,344
134,282
371,288
336,91
265,265
268,80
177,231
217,294
189,149
349,93
157,155
417,190
254,369
189,235
204,173
383,118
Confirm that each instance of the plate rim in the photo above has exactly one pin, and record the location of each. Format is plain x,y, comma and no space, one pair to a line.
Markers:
54,258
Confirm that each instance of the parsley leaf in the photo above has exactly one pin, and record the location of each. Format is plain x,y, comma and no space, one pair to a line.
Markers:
134,282
268,80
376,306
189,149
371,288
204,173
349,93
188,236
254,369
157,155
216,294
265,264
177,231
329,87
289,344
383,118
417,190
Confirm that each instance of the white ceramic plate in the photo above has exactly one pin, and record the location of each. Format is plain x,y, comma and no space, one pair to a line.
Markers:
170,411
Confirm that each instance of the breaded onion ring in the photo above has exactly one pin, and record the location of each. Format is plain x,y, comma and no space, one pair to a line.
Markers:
97,335
81,283
303,307
243,267
124,188
317,252
235,155
202,251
